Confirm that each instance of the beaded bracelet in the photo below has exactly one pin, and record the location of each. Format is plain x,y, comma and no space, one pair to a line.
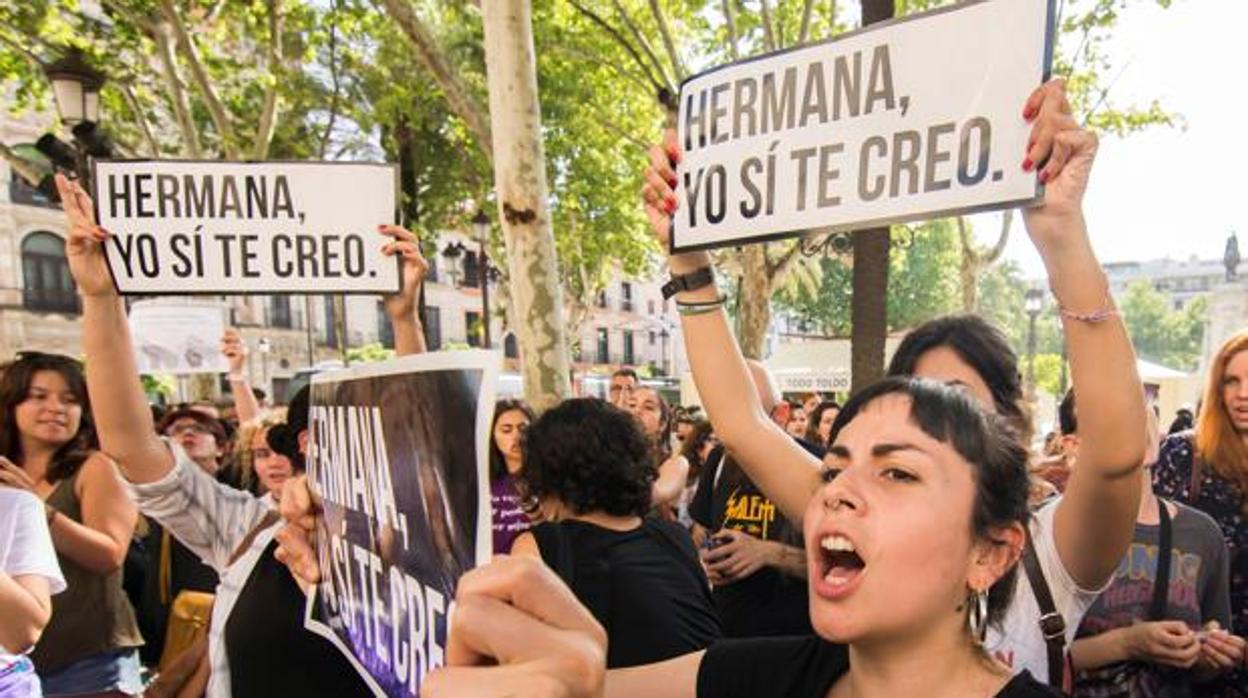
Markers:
1101,314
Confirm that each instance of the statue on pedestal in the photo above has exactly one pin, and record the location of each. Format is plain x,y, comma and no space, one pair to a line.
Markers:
1230,258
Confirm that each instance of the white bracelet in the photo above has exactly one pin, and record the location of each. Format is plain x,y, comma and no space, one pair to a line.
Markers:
236,378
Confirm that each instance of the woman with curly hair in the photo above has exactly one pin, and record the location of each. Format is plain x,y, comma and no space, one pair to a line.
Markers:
589,464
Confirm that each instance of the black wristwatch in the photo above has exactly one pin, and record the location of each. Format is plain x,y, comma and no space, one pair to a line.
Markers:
694,280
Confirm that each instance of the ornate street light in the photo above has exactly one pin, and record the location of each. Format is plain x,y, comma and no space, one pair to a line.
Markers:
76,86
481,233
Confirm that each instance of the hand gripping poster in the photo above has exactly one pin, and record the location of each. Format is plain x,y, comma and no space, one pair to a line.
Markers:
397,454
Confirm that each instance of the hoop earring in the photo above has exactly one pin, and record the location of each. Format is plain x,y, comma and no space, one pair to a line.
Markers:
977,616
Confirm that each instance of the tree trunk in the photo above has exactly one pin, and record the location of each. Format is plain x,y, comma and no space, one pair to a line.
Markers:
754,309
869,309
520,180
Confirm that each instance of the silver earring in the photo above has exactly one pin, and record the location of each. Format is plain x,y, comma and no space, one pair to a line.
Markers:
977,615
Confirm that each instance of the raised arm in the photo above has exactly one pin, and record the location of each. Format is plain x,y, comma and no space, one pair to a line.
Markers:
122,417
409,335
785,472
1104,489
234,349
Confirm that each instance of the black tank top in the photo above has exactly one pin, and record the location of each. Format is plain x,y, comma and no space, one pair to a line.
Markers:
270,652
645,586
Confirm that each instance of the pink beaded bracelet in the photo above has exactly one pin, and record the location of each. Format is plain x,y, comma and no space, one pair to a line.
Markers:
1101,314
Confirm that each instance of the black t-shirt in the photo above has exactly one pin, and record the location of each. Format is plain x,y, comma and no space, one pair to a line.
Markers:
767,602
644,586
798,667
270,652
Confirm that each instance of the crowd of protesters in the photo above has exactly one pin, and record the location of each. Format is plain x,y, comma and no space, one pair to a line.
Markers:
900,541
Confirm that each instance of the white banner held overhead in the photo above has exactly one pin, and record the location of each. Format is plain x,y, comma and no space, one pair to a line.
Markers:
179,339
192,227
911,119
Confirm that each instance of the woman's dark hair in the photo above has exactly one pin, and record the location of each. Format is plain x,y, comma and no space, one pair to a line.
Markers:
816,416
284,438
691,449
498,464
985,440
980,345
590,455
15,379
661,443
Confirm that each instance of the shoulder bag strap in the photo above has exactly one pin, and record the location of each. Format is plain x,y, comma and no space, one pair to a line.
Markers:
1161,586
270,517
1052,624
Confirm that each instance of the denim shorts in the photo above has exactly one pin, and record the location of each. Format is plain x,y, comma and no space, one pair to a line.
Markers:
100,673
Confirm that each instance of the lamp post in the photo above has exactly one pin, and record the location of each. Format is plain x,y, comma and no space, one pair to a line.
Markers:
264,346
76,86
664,334
481,233
1033,303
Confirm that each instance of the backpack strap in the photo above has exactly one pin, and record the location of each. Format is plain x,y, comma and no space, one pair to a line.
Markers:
1052,624
1161,585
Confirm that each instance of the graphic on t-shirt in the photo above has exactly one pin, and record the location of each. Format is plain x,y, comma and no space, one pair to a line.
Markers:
750,513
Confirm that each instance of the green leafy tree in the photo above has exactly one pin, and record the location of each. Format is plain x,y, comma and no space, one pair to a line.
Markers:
1159,332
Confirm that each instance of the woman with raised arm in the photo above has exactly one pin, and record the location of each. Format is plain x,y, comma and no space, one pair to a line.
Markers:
47,447
655,415
265,651
1102,496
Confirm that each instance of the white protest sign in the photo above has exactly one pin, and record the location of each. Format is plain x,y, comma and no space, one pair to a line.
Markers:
178,339
231,227
916,118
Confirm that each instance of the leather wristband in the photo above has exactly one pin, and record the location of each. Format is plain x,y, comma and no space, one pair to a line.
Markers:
694,280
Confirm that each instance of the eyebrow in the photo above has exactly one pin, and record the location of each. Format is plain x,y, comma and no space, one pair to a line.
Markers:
877,451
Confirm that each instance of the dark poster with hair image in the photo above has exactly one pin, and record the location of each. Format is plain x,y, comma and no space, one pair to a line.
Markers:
397,454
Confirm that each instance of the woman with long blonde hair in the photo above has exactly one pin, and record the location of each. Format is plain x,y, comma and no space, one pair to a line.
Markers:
1207,469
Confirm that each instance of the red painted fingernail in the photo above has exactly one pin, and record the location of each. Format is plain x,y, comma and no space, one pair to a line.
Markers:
1028,164
671,182
1028,112
1044,176
670,205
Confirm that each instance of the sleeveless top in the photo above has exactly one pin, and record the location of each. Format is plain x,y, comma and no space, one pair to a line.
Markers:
93,614
270,653
645,586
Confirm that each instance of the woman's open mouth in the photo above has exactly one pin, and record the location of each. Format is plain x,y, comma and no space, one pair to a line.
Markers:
840,567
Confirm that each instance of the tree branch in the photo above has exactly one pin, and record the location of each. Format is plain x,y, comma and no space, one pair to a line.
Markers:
645,45
27,53
668,43
778,268
964,237
333,76
999,248
127,91
730,23
769,34
430,55
614,33
144,24
807,10
268,114
216,110
177,92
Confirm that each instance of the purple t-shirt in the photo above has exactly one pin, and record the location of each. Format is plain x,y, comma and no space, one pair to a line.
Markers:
508,518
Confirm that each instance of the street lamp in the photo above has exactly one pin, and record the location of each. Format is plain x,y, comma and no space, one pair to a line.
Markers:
452,252
481,233
664,334
1033,303
76,86
264,346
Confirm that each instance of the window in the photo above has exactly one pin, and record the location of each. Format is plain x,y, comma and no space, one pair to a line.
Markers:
279,311
626,297
472,326
628,347
602,299
431,318
604,346
652,337
431,275
650,306
45,272
331,322
472,270
385,328
511,349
